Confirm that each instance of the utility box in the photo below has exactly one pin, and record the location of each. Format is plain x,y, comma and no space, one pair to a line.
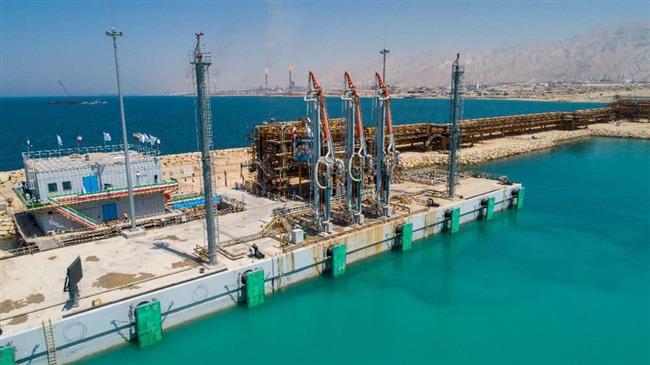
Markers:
297,236
254,288
148,321
7,356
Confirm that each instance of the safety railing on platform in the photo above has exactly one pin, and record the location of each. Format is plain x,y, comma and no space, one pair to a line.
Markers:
61,152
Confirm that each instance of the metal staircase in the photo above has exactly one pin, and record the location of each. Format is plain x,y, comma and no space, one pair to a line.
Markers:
74,215
49,342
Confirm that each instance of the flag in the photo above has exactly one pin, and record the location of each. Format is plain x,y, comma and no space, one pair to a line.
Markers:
59,141
107,137
310,134
29,143
143,137
79,139
136,136
152,140
294,132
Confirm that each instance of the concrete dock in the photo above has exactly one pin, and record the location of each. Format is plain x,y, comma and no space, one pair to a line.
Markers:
162,265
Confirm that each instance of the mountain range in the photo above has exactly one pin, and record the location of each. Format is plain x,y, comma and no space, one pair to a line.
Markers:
614,53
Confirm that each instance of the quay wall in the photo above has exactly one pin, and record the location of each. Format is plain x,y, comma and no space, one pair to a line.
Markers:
83,334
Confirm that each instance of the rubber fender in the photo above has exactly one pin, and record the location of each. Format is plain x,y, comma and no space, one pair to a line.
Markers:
399,229
243,276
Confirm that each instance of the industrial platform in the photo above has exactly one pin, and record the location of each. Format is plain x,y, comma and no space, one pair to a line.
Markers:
117,268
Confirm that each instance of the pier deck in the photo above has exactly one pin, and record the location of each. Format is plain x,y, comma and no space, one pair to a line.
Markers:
117,268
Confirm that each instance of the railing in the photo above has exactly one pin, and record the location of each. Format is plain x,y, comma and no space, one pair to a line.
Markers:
61,152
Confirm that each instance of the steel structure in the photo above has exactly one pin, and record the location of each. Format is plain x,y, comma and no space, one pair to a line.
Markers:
114,33
322,165
278,173
385,154
201,62
457,71
355,149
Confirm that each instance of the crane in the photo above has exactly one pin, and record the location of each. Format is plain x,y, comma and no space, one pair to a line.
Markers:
386,156
355,156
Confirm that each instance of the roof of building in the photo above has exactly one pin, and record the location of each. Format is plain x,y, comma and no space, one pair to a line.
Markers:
52,162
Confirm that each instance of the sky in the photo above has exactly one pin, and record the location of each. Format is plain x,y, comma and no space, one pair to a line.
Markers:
45,41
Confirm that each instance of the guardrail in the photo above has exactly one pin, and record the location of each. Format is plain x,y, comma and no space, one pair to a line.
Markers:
62,152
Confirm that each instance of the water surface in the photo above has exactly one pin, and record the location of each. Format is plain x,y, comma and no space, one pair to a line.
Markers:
171,118
566,280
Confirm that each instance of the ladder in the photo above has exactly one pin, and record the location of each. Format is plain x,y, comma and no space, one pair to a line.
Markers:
49,342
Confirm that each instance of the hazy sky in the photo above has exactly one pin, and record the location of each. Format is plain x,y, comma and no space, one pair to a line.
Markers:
45,41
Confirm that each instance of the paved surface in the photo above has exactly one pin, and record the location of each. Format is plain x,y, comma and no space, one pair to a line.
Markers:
115,268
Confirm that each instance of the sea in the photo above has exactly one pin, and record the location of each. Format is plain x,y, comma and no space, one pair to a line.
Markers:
172,119
566,280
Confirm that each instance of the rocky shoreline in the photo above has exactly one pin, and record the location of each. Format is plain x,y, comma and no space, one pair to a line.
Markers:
185,167
509,146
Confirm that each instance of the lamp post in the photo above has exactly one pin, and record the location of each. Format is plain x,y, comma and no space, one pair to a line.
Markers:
384,52
114,33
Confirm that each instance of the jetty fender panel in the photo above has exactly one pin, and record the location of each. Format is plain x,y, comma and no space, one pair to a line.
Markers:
148,322
7,356
254,288
489,209
520,198
336,259
404,237
453,216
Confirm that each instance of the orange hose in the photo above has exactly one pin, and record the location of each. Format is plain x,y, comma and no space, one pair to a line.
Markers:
323,107
357,100
384,92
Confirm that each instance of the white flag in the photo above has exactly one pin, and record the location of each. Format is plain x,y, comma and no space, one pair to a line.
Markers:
107,137
143,137
152,140
59,141
79,139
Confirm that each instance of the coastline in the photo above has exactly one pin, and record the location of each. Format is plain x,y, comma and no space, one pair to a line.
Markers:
185,167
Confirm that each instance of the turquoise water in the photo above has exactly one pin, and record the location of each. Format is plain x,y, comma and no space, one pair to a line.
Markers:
171,118
564,281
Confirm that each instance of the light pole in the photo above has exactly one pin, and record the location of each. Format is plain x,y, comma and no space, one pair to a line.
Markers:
384,52
113,33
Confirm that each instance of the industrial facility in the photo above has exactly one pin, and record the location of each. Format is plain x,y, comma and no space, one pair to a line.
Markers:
316,194
72,189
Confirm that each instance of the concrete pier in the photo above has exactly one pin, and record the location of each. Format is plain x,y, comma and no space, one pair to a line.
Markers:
119,274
